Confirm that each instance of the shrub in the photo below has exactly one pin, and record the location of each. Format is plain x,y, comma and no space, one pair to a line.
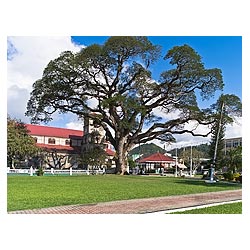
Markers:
240,179
236,176
40,171
228,176
204,176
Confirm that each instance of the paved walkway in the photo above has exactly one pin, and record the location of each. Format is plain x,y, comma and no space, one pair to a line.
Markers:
141,206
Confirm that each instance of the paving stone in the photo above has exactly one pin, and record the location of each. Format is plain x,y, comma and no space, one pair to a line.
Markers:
140,206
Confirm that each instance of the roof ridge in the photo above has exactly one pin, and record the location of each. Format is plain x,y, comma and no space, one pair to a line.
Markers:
53,131
157,157
45,126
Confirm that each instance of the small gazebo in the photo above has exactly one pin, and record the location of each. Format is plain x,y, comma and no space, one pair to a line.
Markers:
156,161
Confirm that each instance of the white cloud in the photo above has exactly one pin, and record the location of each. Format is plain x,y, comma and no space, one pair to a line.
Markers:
74,125
27,58
92,102
232,131
16,102
166,116
235,129
183,139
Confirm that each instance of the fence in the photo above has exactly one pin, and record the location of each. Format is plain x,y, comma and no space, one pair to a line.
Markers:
52,171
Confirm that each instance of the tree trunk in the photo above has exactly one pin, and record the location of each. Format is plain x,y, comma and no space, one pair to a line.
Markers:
122,157
121,166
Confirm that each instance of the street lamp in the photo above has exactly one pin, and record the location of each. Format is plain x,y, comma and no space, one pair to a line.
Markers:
212,167
175,162
191,160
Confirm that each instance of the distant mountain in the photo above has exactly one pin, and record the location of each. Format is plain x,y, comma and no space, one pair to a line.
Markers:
147,149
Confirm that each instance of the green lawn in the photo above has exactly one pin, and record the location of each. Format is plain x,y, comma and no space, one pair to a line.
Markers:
26,192
232,208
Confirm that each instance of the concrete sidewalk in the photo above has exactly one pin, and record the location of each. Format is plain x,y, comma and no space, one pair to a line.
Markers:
141,206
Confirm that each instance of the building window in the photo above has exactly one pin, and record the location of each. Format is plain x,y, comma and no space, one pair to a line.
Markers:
35,139
229,144
52,141
235,144
67,142
74,142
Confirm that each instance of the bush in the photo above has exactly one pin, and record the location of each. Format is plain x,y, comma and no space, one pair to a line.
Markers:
204,176
232,177
40,171
236,176
240,179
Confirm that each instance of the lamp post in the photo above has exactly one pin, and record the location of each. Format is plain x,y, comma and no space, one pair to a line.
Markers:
191,160
212,167
175,162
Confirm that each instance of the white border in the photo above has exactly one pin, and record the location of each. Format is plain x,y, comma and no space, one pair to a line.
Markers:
124,18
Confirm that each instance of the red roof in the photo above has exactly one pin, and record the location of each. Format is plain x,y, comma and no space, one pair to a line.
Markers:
110,152
157,157
53,132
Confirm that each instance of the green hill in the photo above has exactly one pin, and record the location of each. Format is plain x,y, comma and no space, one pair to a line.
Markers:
147,149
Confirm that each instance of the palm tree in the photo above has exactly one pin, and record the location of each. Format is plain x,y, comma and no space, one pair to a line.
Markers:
233,160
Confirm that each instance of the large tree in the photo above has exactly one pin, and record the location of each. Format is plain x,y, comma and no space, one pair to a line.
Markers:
117,76
20,145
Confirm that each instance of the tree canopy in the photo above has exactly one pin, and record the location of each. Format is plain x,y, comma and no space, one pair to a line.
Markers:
233,159
117,77
94,157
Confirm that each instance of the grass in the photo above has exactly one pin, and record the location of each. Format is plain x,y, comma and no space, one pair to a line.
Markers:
26,192
232,208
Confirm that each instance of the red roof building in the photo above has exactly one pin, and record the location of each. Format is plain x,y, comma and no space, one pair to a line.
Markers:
157,160
53,138
157,157
60,139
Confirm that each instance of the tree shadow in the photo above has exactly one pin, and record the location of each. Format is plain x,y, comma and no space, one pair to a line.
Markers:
201,182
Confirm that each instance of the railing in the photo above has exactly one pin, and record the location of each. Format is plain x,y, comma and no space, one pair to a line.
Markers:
18,171
52,171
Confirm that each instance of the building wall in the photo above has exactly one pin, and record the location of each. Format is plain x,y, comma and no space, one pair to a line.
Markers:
79,143
58,141
232,143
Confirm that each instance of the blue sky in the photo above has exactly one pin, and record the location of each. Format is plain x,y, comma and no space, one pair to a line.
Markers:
28,56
